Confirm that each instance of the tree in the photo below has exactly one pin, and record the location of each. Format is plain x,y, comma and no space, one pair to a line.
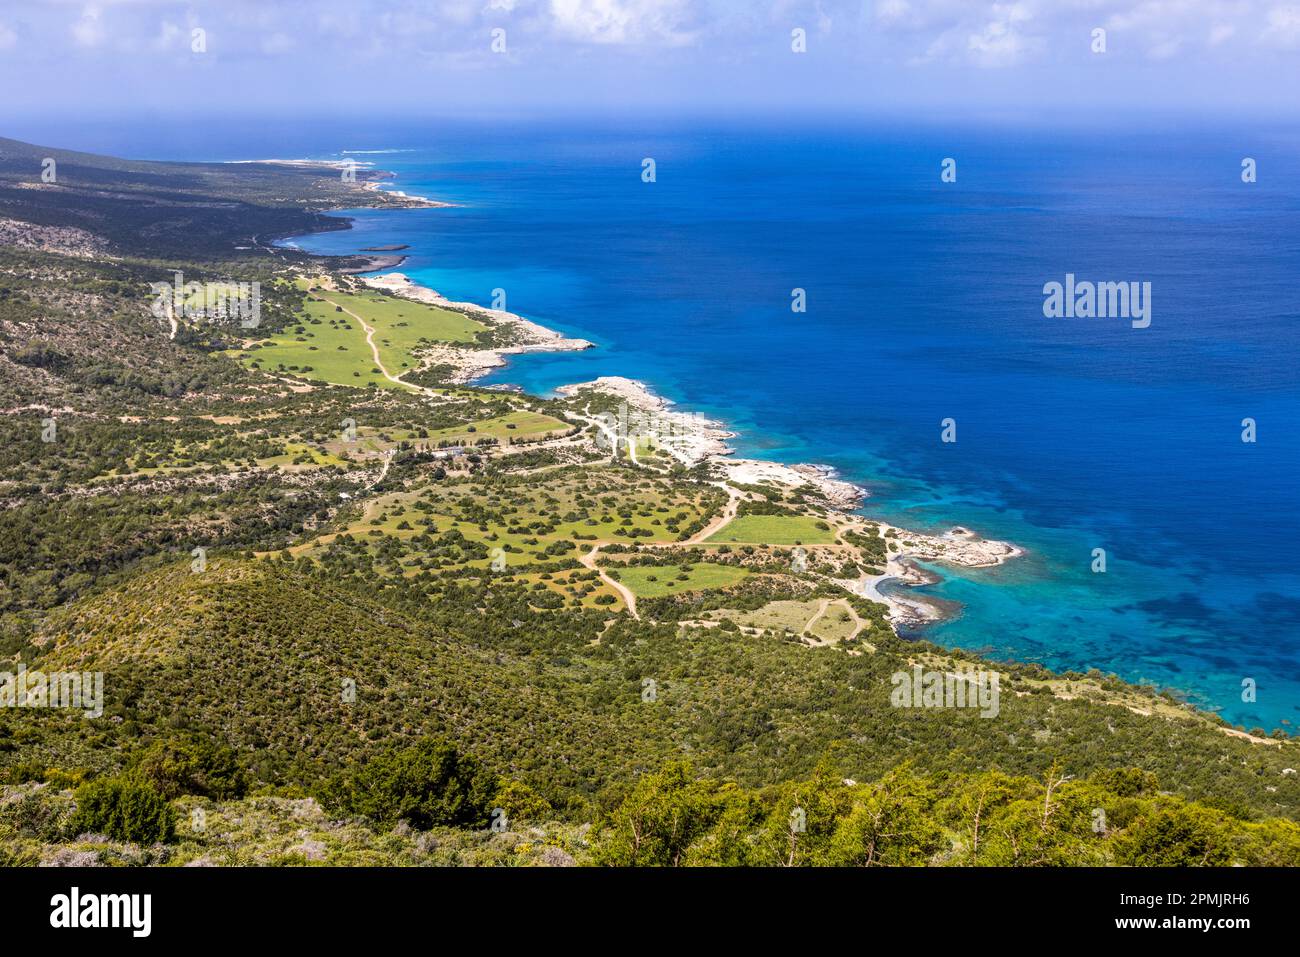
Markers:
427,785
520,802
1175,835
1049,824
976,802
892,824
125,810
190,766
799,828
659,821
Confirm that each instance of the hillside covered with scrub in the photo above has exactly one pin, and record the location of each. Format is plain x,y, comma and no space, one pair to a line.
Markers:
349,609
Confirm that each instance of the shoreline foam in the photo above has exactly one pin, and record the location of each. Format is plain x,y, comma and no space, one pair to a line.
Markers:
371,179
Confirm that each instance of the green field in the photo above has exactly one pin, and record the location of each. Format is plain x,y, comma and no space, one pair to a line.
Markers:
297,450
773,530
518,424
656,581
328,345
182,459
833,624
578,587
778,616
525,424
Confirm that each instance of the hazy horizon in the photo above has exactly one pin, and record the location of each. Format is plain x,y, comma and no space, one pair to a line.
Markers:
982,61
378,139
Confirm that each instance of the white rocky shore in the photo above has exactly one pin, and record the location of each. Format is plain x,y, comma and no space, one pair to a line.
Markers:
688,436
697,439
957,546
840,496
692,438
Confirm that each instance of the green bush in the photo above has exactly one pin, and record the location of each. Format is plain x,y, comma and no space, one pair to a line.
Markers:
192,766
520,803
125,810
1177,835
427,785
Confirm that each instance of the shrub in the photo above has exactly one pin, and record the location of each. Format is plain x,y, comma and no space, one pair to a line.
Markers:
521,803
125,810
1175,836
189,766
427,785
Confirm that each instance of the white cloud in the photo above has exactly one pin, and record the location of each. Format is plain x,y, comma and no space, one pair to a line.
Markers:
1002,41
1283,29
823,20
999,33
1221,33
1165,48
169,35
892,13
932,16
625,21
89,31
277,43
990,35
8,39
1165,29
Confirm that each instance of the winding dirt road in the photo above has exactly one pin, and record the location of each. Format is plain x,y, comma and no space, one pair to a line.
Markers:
716,524
589,561
374,350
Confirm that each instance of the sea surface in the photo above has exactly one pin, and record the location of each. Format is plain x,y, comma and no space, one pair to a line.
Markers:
925,302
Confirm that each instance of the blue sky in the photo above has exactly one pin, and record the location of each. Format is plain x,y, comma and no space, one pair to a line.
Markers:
969,58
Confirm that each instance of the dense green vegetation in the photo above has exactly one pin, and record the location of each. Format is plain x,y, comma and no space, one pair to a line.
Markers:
673,818
178,211
429,804
123,810
350,623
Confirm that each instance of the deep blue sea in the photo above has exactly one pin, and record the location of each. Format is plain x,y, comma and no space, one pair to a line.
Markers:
924,301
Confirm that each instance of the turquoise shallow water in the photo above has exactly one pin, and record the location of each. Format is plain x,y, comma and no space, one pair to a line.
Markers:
924,303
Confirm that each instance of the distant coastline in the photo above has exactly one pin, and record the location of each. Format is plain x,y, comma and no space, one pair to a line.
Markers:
906,585
697,439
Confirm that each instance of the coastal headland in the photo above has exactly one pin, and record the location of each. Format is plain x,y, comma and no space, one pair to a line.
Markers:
696,442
